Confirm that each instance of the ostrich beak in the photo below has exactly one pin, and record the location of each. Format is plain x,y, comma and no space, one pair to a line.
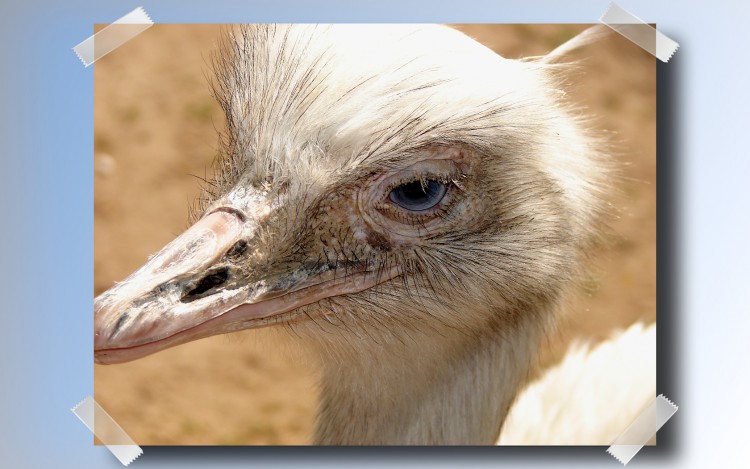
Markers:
204,283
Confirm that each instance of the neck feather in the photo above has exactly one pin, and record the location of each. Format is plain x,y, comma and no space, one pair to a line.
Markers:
452,391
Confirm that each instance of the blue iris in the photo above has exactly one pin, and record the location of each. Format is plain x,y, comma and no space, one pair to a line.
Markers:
417,196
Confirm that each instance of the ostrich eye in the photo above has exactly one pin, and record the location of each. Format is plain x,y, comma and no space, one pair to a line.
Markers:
418,196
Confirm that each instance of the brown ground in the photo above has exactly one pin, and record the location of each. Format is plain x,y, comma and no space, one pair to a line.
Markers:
155,127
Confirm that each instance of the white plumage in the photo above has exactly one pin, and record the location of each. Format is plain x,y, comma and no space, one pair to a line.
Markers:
591,396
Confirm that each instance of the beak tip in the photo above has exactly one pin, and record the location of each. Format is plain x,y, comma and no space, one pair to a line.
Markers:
100,357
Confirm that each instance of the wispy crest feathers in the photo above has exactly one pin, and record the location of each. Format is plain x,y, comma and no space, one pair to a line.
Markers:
588,36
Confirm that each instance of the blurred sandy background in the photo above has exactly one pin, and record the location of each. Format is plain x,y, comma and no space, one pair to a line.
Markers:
155,130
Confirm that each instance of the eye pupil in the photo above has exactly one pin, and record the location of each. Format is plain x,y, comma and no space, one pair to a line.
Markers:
418,196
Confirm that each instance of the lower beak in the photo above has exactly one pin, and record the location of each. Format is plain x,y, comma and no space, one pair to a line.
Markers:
203,284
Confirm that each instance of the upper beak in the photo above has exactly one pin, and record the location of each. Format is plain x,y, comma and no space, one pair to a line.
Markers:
208,281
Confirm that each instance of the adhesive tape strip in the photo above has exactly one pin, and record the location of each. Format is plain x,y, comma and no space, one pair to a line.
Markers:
113,36
107,430
643,428
639,32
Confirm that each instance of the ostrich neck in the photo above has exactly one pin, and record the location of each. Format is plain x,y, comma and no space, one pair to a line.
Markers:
457,392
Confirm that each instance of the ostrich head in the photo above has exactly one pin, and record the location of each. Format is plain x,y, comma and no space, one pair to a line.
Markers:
408,204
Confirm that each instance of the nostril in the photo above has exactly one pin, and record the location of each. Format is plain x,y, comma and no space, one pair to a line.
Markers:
212,280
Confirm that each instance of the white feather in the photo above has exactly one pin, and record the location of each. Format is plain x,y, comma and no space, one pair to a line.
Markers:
591,396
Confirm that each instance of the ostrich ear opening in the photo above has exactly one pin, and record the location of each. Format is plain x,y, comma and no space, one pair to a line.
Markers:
587,36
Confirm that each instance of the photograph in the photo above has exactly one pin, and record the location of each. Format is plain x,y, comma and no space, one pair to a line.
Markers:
375,234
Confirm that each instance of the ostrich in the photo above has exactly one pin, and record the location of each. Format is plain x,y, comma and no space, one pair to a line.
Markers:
410,205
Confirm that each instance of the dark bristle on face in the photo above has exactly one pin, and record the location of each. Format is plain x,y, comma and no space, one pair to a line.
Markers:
378,241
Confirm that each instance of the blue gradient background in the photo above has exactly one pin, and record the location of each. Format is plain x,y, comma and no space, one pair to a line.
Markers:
46,195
